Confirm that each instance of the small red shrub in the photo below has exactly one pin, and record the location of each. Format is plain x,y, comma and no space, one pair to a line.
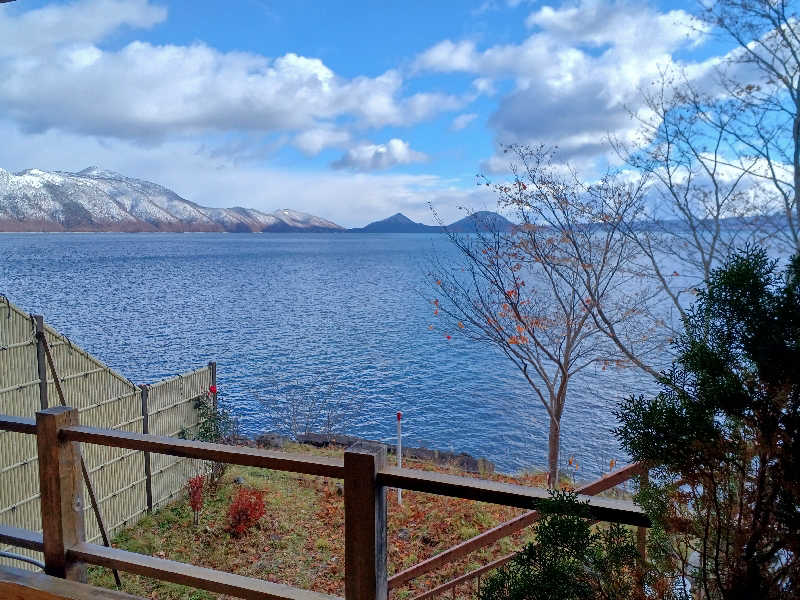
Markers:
196,495
245,511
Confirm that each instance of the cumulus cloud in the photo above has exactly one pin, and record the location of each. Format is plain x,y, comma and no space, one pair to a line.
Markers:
461,121
578,73
372,157
148,92
41,29
313,141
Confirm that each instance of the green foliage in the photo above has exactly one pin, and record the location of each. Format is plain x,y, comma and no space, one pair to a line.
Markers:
724,436
568,560
217,424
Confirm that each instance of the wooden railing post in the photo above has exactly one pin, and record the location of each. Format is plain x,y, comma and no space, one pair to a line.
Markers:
41,360
148,475
61,489
364,523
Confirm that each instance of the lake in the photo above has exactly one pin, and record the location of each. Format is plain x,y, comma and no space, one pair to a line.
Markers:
339,318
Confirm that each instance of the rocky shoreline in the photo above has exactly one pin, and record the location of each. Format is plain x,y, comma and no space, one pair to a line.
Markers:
464,461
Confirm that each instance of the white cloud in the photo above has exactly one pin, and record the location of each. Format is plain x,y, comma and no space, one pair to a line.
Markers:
577,74
372,157
313,141
41,29
461,121
149,92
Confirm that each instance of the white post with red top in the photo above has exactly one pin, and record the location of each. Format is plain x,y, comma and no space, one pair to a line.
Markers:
399,452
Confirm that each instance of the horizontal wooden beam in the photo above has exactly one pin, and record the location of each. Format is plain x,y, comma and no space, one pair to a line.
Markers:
511,526
17,424
466,577
191,575
21,538
237,455
26,585
602,509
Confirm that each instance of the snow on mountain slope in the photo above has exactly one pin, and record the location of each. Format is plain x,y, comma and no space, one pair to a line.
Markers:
100,200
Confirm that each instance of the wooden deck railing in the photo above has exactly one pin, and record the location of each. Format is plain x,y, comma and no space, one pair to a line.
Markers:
497,533
363,469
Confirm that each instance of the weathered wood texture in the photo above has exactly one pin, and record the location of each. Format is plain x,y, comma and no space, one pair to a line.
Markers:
16,584
187,574
251,457
365,523
467,577
104,398
510,527
148,473
21,538
602,509
61,485
41,363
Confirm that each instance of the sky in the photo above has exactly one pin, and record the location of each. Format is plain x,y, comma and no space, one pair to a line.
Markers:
351,111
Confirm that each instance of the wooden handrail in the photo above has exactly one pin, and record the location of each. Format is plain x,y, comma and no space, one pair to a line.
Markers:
188,574
25,585
17,424
508,528
238,455
22,538
365,514
602,509
466,577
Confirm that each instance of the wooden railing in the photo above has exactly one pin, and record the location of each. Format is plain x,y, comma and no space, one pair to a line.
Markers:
498,533
363,469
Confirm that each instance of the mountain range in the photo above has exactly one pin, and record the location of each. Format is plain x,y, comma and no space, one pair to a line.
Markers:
100,200
399,223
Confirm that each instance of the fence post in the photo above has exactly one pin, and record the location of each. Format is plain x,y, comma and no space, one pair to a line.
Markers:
61,489
364,523
212,365
148,475
641,532
41,360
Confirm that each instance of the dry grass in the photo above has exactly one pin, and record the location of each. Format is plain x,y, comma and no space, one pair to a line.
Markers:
300,540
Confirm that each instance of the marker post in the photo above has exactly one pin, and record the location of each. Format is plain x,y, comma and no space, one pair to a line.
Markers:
399,452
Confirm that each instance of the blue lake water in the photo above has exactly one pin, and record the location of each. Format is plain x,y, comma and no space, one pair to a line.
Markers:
309,315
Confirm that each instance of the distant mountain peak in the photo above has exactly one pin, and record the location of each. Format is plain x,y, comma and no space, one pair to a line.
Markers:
95,171
398,218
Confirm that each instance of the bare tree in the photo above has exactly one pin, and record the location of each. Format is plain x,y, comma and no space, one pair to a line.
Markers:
720,155
696,207
525,290
761,101
310,405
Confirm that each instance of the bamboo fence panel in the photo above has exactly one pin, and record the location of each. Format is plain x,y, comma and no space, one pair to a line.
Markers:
171,417
105,399
19,396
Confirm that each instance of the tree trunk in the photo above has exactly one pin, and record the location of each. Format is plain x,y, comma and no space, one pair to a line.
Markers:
552,454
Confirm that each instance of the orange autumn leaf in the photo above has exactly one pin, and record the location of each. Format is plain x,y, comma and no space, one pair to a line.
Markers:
460,325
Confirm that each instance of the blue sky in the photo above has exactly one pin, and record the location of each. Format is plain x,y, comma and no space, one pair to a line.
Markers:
351,111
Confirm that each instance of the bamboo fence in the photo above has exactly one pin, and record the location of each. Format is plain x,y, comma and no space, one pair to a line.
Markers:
124,487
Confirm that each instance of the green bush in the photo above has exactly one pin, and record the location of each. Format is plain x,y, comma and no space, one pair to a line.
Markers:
723,437
568,561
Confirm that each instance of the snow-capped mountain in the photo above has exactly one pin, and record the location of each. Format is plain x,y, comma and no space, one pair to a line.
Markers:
98,200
